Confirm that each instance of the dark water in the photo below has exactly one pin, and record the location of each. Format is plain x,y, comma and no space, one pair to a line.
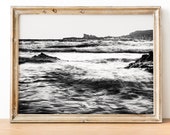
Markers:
85,83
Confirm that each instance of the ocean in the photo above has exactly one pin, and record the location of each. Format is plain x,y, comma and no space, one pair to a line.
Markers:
84,82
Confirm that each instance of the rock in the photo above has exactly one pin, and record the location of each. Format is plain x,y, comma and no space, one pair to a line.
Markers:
44,56
41,58
145,62
146,57
86,36
142,34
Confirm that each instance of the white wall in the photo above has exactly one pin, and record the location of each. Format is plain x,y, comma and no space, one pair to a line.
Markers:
5,57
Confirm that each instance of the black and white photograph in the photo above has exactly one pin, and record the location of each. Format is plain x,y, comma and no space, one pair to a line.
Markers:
86,64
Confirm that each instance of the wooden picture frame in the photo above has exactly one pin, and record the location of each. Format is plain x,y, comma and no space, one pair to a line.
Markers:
155,116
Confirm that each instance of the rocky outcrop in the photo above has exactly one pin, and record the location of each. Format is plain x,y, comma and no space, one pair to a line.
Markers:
145,62
86,36
41,58
145,34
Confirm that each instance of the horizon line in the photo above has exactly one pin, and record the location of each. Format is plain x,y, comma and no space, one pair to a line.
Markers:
79,37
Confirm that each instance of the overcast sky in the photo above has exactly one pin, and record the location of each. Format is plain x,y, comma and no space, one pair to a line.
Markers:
59,26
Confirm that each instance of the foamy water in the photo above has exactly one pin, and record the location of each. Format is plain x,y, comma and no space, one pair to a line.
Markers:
81,83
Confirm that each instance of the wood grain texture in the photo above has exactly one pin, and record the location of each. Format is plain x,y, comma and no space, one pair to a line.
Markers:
84,129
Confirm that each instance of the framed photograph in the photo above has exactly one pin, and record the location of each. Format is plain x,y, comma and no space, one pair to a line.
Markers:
86,64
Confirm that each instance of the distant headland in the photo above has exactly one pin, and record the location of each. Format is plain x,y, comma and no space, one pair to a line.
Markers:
139,34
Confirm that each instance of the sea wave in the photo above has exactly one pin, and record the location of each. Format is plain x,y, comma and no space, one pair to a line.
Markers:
68,87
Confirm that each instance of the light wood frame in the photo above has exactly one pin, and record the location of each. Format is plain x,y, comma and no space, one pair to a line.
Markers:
156,117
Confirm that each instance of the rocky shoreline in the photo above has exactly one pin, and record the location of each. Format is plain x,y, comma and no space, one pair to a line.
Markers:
145,62
41,58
